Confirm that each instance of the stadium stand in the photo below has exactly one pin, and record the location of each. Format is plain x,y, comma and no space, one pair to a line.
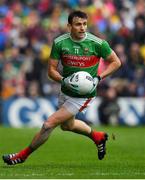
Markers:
28,27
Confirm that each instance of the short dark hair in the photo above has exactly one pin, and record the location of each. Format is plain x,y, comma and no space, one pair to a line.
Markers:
79,14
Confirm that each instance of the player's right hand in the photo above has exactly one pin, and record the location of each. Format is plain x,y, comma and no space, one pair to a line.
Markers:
68,83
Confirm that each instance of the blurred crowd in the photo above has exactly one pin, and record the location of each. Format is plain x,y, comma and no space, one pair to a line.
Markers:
28,27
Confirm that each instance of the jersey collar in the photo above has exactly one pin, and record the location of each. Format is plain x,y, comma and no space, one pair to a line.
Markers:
78,40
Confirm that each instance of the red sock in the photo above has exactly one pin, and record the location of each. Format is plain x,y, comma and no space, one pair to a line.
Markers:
25,153
97,136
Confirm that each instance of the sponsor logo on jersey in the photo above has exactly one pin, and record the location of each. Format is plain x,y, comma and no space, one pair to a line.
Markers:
80,61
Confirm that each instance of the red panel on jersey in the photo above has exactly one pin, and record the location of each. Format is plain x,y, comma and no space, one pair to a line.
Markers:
80,61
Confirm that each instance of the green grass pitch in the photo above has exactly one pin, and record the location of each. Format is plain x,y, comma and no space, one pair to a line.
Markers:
70,156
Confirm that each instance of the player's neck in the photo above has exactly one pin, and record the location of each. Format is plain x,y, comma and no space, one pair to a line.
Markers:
77,39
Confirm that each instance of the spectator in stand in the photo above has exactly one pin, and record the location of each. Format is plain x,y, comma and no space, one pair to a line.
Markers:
125,72
33,90
139,30
108,108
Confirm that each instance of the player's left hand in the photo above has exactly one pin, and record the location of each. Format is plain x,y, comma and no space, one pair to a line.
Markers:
95,83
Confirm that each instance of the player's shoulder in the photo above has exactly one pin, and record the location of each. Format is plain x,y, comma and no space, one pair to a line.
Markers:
61,37
94,38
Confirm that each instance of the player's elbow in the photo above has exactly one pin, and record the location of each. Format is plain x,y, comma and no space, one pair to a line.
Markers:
118,64
116,61
50,73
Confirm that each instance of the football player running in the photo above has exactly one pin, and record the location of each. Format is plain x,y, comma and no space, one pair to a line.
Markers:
77,50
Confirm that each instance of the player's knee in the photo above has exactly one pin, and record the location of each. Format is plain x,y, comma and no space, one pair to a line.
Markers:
50,123
63,127
66,127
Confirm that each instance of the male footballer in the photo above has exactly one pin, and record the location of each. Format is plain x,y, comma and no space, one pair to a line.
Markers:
77,50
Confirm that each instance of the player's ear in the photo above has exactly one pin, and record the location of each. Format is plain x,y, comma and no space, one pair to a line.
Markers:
69,26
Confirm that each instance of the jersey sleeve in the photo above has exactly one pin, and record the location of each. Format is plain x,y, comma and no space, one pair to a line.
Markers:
105,50
55,51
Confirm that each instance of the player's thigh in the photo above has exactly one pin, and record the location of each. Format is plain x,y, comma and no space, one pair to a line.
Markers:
74,104
60,116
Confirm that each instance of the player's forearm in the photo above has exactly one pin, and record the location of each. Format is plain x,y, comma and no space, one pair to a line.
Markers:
52,70
113,66
55,75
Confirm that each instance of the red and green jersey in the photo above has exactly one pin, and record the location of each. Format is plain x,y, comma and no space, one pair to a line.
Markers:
83,55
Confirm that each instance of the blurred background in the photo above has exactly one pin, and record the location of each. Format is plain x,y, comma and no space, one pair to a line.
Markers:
27,29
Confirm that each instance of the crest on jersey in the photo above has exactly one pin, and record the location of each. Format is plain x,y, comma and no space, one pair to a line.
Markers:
86,50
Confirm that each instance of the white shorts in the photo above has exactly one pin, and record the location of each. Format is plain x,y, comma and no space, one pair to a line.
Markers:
74,104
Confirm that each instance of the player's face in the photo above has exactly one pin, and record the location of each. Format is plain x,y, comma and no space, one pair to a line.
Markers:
78,28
